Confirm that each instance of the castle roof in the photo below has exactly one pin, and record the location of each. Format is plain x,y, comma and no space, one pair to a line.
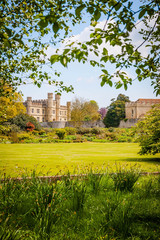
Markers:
145,100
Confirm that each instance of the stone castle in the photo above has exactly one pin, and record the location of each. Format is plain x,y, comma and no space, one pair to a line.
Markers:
137,110
48,110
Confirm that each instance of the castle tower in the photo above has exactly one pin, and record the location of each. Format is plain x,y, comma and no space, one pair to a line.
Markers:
29,105
68,111
57,98
50,107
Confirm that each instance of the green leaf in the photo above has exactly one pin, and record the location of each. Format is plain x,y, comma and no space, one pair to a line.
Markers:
64,61
54,58
97,15
79,9
138,71
55,27
42,23
90,10
66,51
110,83
141,14
102,83
105,71
119,85
118,6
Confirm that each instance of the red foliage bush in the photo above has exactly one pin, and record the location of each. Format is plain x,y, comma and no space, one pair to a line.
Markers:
30,126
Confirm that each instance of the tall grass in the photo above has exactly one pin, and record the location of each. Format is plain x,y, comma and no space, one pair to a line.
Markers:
94,206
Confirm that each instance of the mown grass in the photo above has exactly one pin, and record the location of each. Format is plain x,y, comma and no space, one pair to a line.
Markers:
51,159
121,206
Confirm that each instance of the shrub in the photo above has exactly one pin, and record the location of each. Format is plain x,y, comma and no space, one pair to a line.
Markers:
78,138
15,128
96,130
24,136
70,130
111,136
3,139
61,133
83,131
42,132
30,126
111,129
5,129
22,119
14,137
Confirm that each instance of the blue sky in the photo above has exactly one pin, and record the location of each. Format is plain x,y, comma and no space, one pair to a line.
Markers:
85,78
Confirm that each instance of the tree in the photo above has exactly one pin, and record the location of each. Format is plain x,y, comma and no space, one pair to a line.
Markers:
90,109
148,131
102,112
25,26
82,110
22,120
116,111
10,106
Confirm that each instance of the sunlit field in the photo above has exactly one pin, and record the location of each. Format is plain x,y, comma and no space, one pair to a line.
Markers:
51,159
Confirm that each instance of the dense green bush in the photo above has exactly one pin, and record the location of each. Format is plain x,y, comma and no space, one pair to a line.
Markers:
97,130
148,130
83,134
22,119
25,136
5,129
83,131
70,130
61,133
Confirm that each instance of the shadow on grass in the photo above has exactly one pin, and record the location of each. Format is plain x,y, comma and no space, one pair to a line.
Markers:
149,160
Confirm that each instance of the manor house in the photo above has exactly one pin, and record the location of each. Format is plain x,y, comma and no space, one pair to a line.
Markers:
48,110
138,109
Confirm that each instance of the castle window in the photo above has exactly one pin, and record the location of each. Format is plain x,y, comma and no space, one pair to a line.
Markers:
32,110
43,119
53,111
38,110
43,111
132,112
38,119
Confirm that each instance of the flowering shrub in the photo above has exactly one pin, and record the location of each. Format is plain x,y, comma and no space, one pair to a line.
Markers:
30,126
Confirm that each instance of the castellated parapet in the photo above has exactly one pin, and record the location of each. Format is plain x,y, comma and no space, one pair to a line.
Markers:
48,110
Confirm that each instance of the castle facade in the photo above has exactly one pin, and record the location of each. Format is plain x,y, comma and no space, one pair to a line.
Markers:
48,110
138,109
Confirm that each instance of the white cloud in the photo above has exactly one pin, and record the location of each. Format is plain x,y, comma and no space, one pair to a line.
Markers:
83,36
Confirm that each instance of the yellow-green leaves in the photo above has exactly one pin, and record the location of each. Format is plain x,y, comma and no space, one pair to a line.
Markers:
79,10
54,58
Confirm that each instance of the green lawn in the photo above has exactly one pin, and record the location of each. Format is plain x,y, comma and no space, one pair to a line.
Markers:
54,158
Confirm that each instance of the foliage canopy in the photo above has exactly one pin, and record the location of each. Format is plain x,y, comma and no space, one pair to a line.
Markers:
25,26
22,120
10,106
116,111
149,132
82,110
